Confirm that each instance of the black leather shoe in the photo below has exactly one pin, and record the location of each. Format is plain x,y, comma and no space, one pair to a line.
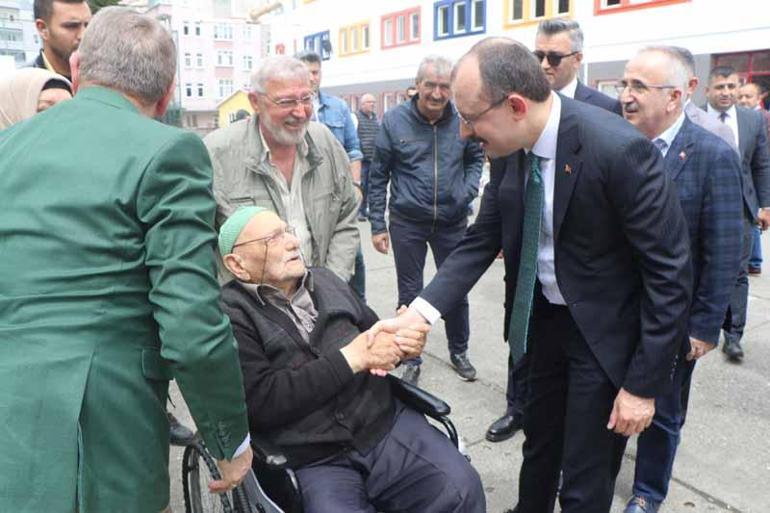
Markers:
180,435
733,350
411,374
463,366
503,428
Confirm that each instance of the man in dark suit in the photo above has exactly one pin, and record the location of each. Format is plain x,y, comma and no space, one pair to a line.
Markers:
596,250
751,140
559,48
707,176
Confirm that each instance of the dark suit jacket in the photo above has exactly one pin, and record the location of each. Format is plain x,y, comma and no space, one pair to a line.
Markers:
622,253
755,159
586,94
707,176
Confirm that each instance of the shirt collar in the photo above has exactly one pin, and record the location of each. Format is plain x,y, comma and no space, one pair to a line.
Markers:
569,89
302,147
670,133
730,112
545,146
266,294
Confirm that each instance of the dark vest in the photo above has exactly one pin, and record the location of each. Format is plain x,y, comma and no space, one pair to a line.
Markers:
367,133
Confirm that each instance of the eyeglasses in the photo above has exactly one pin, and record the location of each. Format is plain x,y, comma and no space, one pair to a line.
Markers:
469,120
554,58
274,238
638,87
291,103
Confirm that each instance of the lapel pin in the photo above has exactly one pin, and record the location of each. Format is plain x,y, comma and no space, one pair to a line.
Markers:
568,169
682,156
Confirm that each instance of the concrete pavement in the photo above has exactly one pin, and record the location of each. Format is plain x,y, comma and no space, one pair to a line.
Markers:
724,459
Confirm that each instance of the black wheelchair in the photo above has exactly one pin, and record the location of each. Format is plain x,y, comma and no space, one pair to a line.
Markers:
272,486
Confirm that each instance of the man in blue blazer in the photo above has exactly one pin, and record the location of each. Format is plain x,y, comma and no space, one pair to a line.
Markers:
707,176
559,48
598,273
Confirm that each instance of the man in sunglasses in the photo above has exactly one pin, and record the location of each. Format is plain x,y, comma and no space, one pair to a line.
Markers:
280,160
315,386
559,49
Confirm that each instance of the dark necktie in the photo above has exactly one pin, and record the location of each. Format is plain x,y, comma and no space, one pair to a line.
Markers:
722,116
525,281
661,144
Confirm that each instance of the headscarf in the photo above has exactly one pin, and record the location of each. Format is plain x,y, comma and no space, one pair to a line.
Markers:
20,91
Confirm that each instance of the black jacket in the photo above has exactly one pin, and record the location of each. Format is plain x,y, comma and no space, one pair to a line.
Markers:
586,94
621,246
433,173
304,397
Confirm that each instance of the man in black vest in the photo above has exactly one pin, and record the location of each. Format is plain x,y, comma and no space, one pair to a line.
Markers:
367,133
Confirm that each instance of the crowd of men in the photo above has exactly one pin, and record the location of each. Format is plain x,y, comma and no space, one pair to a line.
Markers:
136,253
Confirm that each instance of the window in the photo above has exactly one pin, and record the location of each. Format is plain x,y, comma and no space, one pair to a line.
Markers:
187,60
459,15
224,58
613,6
246,32
186,28
197,28
459,18
248,62
518,9
188,90
354,39
518,12
223,32
225,87
538,8
562,7
401,28
199,60
320,44
200,90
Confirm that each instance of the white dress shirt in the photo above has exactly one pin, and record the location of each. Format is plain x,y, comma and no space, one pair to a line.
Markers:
569,89
545,148
731,120
669,134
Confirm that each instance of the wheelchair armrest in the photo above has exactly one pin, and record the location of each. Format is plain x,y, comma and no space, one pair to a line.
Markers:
418,399
267,452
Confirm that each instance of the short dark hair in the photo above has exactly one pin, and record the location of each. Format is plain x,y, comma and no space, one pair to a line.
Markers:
686,57
721,71
43,9
507,66
309,57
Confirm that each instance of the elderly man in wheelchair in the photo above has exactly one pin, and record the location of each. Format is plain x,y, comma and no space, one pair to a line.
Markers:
316,385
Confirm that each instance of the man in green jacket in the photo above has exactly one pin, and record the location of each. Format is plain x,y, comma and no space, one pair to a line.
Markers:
108,288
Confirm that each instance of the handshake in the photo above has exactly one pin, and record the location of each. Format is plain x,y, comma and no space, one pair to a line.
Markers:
387,343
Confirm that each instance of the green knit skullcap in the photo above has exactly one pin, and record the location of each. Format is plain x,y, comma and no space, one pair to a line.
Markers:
233,227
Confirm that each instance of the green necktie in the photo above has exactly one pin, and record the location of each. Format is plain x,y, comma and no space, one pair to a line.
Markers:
525,281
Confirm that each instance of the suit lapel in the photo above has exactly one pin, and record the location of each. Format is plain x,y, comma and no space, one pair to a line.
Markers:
567,167
680,152
743,136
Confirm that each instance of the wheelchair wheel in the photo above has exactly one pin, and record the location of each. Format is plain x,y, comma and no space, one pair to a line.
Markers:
198,470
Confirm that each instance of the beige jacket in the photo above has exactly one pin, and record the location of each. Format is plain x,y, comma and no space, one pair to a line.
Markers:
242,178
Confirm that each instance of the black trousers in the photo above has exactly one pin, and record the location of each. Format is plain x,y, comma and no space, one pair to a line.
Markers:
565,420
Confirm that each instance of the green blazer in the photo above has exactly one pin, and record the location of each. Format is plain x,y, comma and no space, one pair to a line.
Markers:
107,291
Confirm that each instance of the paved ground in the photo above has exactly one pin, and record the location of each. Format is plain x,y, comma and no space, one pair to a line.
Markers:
724,458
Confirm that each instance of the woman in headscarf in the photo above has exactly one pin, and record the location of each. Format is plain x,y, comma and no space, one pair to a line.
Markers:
25,92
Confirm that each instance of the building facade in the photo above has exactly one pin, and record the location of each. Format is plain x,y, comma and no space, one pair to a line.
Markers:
18,35
376,45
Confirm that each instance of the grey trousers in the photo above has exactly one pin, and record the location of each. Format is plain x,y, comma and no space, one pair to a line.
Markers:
735,320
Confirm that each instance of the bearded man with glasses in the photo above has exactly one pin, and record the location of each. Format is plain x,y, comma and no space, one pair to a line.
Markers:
280,160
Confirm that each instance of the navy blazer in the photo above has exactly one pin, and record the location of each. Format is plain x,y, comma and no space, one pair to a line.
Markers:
755,159
586,94
621,246
707,176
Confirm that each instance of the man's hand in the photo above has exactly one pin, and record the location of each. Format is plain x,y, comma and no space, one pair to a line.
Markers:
698,348
381,242
631,414
233,471
763,218
381,353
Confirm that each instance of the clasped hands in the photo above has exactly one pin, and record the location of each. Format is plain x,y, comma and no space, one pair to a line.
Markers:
387,343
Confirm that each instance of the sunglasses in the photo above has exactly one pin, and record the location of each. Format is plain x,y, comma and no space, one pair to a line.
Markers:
554,59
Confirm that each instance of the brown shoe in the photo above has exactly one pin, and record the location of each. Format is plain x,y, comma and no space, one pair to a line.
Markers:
755,270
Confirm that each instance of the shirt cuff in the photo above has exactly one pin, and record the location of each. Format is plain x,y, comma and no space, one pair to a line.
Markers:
426,309
244,445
